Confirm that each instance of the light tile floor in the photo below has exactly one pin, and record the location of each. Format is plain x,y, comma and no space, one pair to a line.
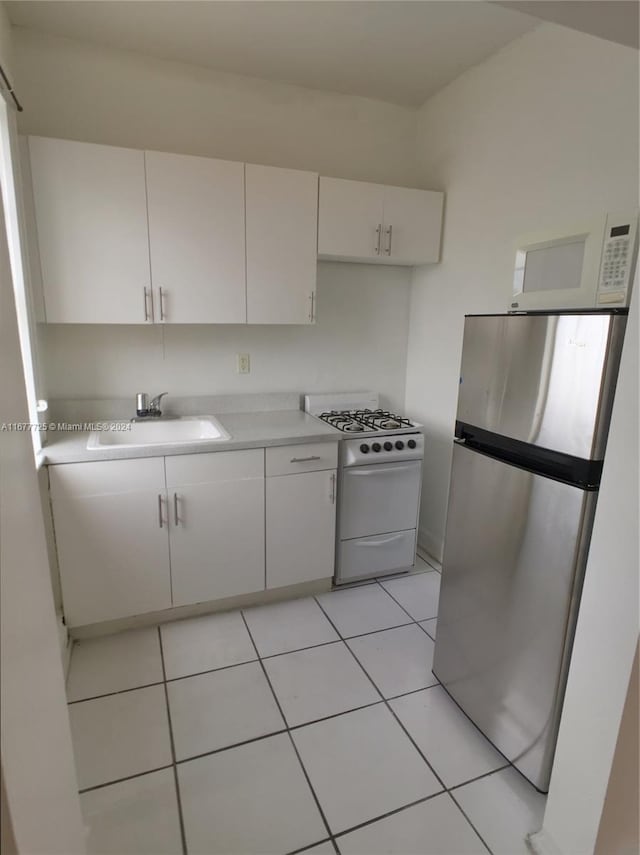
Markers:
314,725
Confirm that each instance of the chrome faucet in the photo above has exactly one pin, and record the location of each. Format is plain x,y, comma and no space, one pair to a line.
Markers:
146,409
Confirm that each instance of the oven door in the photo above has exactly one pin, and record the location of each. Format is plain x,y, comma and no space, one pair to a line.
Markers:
379,499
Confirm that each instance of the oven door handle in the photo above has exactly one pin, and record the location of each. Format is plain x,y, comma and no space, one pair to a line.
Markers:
381,469
383,541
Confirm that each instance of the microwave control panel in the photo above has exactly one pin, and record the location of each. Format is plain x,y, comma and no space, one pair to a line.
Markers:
618,258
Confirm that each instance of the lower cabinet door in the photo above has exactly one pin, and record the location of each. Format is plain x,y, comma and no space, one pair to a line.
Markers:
113,554
301,525
217,540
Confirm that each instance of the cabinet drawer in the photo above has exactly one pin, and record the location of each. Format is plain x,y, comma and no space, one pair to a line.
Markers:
214,466
368,556
293,459
106,476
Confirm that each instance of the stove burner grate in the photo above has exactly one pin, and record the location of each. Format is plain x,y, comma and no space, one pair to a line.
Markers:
357,421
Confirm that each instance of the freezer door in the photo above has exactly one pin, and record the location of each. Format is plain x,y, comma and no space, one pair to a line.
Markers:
512,572
542,379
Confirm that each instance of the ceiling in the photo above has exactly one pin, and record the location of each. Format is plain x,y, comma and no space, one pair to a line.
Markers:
394,51
614,20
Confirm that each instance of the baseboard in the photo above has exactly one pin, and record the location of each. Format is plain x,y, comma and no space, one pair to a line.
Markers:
541,843
272,595
430,547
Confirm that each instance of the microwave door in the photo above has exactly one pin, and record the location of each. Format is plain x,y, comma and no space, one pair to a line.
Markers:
558,271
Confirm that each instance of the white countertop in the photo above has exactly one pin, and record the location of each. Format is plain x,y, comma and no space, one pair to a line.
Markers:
247,430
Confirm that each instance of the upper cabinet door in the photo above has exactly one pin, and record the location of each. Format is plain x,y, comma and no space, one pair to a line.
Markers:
91,216
350,219
412,225
282,230
196,235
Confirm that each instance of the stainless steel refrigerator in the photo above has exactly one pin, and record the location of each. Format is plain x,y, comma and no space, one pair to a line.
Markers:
534,406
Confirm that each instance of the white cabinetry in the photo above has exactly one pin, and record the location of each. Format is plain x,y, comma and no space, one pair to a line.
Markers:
301,513
91,219
131,540
112,538
196,239
216,504
358,221
282,227
178,243
350,219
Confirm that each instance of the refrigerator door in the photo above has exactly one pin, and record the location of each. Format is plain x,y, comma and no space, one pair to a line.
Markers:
512,572
542,379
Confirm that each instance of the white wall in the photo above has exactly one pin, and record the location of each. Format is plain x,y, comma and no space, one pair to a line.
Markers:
75,90
543,132
359,341
37,761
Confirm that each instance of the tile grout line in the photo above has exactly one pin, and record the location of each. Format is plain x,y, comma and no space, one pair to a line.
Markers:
415,620
173,749
289,728
446,789
126,778
243,662
288,731
368,676
118,692
393,713
464,814
388,814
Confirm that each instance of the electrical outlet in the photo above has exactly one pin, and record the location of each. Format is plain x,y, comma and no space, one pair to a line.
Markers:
244,366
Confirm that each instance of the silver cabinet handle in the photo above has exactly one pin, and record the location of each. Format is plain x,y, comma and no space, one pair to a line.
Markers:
390,233
305,459
312,311
160,518
332,495
176,518
148,316
162,312
376,249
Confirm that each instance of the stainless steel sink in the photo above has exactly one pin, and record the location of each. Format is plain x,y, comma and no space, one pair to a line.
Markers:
183,431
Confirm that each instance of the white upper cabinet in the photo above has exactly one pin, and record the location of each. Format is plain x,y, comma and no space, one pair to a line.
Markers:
282,228
412,225
196,239
91,219
377,223
350,219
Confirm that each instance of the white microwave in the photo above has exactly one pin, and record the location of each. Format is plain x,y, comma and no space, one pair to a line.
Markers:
588,266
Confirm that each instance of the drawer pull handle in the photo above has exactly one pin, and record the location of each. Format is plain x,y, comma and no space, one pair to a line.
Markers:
160,519
382,470
305,459
176,517
332,495
382,542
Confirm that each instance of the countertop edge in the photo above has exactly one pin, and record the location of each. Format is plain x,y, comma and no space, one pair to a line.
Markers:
74,450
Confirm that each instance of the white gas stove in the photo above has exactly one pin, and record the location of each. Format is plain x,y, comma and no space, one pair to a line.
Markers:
379,484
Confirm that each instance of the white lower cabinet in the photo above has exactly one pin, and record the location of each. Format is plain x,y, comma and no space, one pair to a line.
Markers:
112,538
301,525
216,503
139,536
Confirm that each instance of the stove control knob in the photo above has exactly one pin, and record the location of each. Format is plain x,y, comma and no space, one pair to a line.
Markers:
376,446
364,448
399,445
388,446
412,443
